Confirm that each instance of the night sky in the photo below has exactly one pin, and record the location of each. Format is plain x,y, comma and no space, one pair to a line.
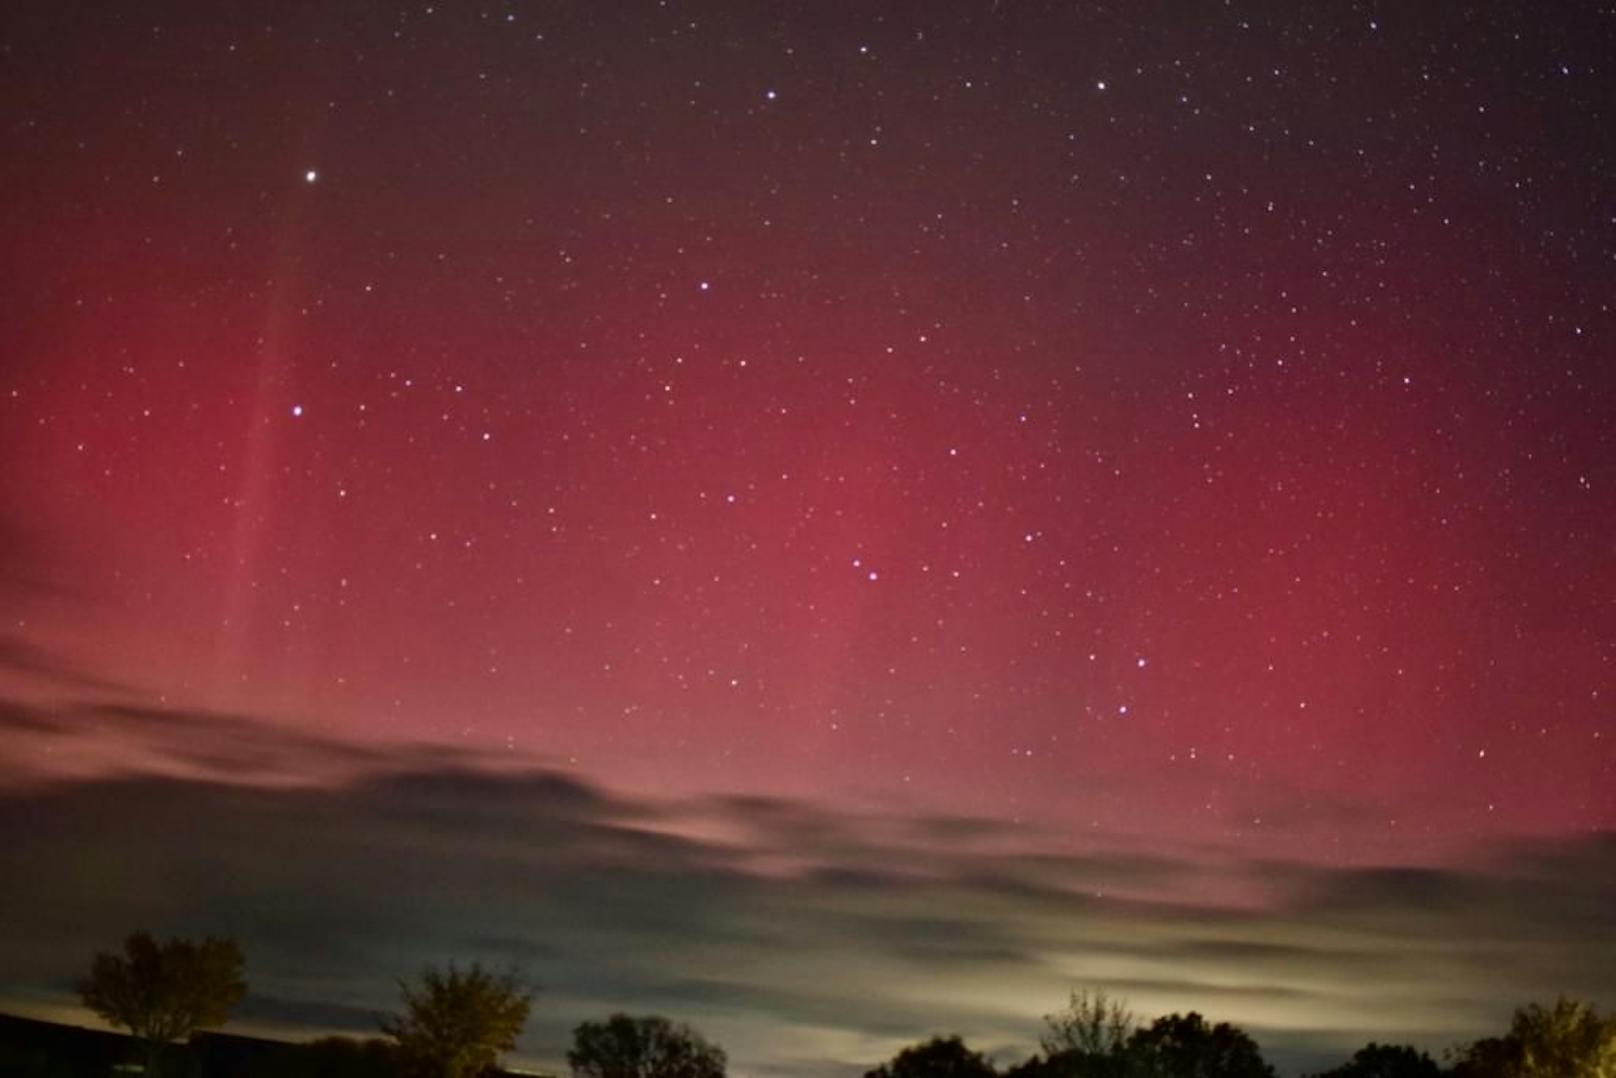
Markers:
952,500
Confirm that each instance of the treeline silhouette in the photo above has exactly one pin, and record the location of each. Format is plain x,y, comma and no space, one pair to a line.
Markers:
458,1022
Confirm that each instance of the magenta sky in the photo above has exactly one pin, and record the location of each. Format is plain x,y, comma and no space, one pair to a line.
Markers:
1173,434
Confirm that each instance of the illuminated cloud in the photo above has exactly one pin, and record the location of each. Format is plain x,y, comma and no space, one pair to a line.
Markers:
794,932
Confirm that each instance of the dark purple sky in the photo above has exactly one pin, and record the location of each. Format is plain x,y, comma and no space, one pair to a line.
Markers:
1180,435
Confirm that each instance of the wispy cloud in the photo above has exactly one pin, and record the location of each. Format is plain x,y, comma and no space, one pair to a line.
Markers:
798,934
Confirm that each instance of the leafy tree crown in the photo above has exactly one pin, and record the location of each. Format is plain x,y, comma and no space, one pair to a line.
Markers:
1186,1046
626,1046
940,1057
161,991
456,1023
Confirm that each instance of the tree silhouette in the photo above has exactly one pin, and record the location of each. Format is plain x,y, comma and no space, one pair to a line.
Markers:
940,1057
1567,1040
1092,1024
1184,1046
162,991
624,1046
1075,1063
456,1023
1386,1061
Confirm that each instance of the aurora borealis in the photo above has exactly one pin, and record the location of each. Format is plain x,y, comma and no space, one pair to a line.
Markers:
1124,490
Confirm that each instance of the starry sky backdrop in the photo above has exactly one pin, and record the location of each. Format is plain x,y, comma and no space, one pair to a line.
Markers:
1178,435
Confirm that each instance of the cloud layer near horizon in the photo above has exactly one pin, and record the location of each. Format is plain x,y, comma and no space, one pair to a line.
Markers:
803,938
